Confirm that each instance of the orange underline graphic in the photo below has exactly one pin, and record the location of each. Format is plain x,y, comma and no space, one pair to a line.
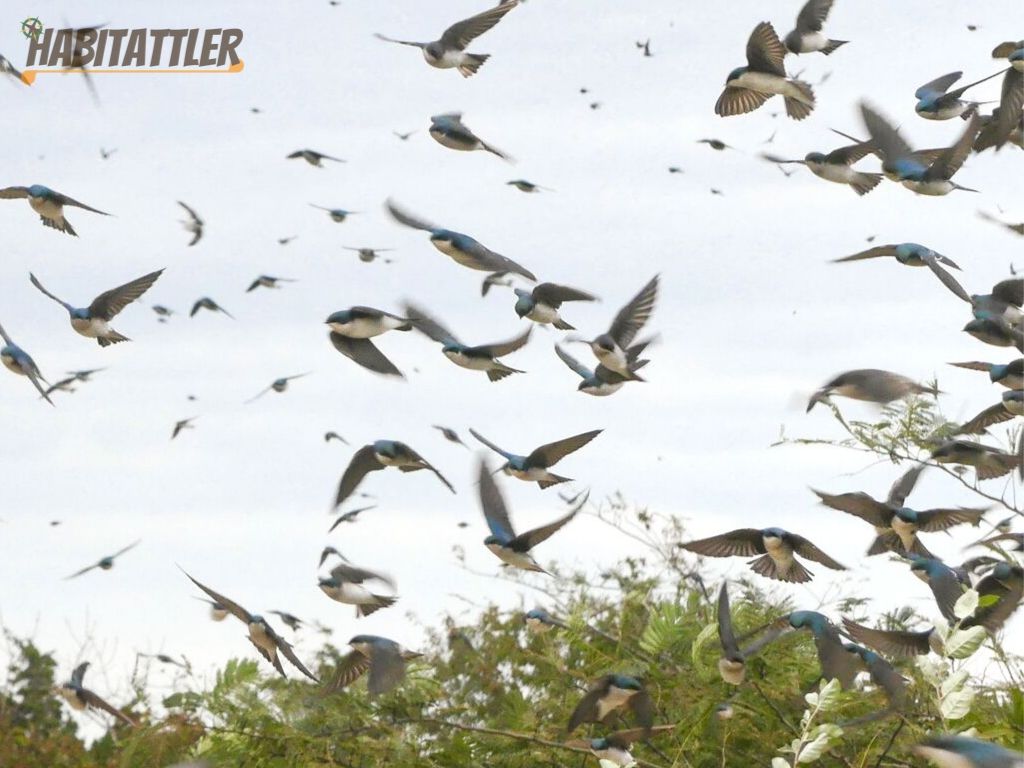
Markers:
29,75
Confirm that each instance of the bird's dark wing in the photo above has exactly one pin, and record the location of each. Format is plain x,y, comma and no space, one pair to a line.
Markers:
884,136
109,303
739,101
1011,291
849,155
858,504
65,200
994,414
947,589
45,292
461,33
387,668
1007,116
365,353
836,662
79,573
501,348
974,365
937,86
524,542
871,253
289,653
768,634
634,315
428,325
402,216
949,162
643,708
813,15
805,548
353,666
79,674
493,505
13,193
229,605
743,542
1003,50
725,632
125,549
192,214
550,454
490,445
363,461
891,643
586,710
93,700
574,364
1009,592
553,294
765,51
934,520
947,279
345,572
904,485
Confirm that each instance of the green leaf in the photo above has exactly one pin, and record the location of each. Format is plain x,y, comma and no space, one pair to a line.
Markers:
780,762
966,604
953,683
829,696
700,641
957,705
962,643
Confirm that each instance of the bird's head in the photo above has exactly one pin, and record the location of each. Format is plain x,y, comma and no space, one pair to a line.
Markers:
736,74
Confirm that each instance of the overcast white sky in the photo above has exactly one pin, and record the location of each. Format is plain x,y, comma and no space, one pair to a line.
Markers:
751,314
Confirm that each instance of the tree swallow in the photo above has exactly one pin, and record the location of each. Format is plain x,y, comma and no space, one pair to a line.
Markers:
267,281
836,166
313,157
347,517
614,748
732,663
936,102
539,621
207,303
603,381
463,249
217,611
542,303
510,548
105,563
807,37
535,466
49,204
346,584
352,329
950,751
988,462
384,659
338,215
836,663
777,549
450,435
895,642
908,254
995,330
18,361
1007,121
610,348
448,130
332,435
194,225
870,385
1011,405
261,634
277,385
607,696
747,88
885,677
449,52
93,321
293,622
900,163
527,186
377,456
183,424
482,357
369,254
80,697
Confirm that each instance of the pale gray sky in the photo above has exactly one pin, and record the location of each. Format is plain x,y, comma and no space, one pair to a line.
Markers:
751,314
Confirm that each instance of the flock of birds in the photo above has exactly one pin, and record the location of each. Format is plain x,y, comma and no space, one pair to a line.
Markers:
843,651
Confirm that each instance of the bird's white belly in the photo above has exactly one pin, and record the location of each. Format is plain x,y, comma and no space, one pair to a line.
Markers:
1016,407
934,188
259,636
529,475
92,328
764,83
841,174
521,560
453,142
359,329
732,672
906,531
11,364
71,697
449,59
614,360
614,755
352,594
218,614
955,109
542,313
604,389
813,41
46,208
472,363
537,626
943,758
